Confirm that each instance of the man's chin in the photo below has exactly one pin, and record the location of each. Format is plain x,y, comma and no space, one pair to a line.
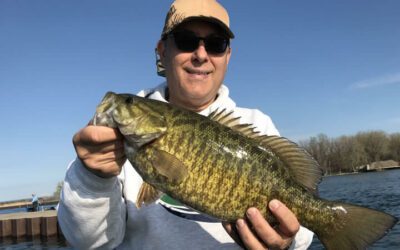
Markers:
198,103
198,77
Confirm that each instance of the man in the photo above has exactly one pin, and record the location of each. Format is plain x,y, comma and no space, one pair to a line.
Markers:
35,203
97,207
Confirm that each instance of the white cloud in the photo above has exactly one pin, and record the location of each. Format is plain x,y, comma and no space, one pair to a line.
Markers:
376,82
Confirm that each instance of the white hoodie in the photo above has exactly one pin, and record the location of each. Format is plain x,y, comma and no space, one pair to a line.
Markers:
97,213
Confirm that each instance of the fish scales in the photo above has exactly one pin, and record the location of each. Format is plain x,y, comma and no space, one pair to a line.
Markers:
208,169
195,143
193,153
223,169
215,174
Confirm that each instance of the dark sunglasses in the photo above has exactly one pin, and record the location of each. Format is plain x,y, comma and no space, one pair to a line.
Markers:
187,41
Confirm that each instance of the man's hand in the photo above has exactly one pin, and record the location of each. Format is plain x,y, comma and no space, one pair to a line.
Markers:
101,150
257,233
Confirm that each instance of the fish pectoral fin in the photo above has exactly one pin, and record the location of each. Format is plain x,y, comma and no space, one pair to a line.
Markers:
147,194
169,166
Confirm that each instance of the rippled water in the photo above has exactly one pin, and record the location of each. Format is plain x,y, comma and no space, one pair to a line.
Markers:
378,190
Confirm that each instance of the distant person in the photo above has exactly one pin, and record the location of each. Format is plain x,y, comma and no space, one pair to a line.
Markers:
97,203
35,203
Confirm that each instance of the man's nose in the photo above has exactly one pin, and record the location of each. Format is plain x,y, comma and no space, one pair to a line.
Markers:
200,53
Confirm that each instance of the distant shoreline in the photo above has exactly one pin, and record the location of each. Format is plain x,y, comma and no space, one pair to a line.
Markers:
361,172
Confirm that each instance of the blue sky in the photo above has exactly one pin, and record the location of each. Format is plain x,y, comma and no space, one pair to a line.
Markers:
314,66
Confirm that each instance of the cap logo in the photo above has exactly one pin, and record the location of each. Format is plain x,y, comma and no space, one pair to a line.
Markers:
172,19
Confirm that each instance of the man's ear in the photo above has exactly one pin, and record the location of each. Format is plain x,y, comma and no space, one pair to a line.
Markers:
160,56
228,56
161,49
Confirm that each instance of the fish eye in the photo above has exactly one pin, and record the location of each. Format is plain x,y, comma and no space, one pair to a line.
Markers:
129,100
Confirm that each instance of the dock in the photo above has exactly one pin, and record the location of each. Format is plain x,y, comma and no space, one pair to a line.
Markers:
29,225
380,166
27,203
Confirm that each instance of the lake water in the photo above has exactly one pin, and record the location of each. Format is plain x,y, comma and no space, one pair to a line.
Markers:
379,190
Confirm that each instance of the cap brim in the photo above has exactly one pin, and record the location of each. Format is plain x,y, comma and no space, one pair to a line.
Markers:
212,20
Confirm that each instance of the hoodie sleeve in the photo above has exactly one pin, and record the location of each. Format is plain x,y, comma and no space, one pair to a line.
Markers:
91,211
302,240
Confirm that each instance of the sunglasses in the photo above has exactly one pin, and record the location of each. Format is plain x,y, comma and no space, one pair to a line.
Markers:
187,41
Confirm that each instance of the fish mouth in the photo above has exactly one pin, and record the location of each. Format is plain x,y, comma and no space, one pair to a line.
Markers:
104,111
103,119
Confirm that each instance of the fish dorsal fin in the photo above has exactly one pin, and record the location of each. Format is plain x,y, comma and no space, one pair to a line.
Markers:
147,194
247,130
224,117
169,166
302,166
228,119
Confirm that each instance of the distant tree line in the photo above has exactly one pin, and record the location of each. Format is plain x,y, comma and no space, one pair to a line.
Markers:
348,153
57,192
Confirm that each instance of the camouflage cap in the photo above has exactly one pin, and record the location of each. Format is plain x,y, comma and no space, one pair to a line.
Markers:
185,10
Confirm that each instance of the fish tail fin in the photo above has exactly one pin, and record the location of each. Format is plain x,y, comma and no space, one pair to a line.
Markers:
356,227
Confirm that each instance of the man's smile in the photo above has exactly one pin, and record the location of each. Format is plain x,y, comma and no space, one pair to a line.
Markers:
197,71
197,74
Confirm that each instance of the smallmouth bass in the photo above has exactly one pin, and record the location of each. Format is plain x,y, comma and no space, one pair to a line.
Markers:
221,168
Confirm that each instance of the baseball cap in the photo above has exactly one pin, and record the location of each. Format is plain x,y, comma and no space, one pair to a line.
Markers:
185,10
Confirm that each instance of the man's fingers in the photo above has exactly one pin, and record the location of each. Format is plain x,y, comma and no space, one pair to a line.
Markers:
108,170
106,165
101,150
250,241
110,156
288,223
117,146
256,233
263,234
104,151
92,135
263,229
230,228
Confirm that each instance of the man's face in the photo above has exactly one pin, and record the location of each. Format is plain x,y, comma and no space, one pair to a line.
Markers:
193,78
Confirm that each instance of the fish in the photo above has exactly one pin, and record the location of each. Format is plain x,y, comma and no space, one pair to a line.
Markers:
220,167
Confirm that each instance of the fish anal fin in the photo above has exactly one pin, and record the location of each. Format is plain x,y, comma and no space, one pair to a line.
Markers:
169,166
303,168
147,194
